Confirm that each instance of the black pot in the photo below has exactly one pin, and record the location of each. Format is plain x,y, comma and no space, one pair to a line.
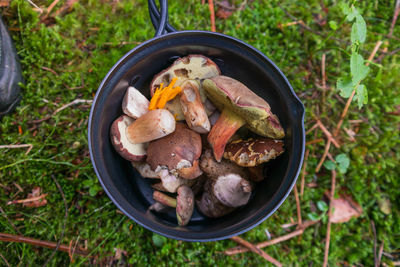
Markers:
131,193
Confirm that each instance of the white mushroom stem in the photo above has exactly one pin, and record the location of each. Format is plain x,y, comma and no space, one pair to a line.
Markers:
169,181
232,190
153,125
144,169
134,103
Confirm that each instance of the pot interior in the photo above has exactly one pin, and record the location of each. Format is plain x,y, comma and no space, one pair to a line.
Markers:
133,194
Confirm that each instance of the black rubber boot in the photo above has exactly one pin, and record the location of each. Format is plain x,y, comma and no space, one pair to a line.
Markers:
10,73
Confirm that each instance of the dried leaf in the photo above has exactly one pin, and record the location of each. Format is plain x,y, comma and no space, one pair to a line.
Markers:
118,253
384,205
225,10
344,208
5,3
40,199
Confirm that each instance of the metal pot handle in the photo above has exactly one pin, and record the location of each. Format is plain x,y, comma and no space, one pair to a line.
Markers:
160,19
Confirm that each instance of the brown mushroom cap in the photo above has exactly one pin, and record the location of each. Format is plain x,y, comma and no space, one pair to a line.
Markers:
177,150
226,92
189,67
184,205
252,152
128,150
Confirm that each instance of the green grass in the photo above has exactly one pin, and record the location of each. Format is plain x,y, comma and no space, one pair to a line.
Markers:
84,44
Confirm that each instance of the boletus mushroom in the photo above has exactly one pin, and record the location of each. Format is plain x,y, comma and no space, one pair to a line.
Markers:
189,67
134,103
178,152
121,143
184,203
153,125
145,170
226,187
192,107
252,152
239,106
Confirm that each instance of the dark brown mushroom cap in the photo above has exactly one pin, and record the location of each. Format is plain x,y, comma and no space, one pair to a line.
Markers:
226,92
252,152
184,205
173,150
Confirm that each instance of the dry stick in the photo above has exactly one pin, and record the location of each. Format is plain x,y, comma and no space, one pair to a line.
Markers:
303,173
315,141
312,128
212,14
65,220
76,101
380,253
29,146
41,243
395,15
19,201
296,196
237,250
344,112
327,133
256,250
5,260
323,73
328,231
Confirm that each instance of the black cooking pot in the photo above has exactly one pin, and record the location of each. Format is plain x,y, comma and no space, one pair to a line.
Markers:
130,192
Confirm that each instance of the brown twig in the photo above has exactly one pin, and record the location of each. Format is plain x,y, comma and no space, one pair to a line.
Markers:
315,141
75,102
19,201
327,133
65,220
315,126
303,172
237,250
296,196
328,231
256,250
5,260
51,70
395,16
29,146
41,243
380,253
212,14
322,160
52,5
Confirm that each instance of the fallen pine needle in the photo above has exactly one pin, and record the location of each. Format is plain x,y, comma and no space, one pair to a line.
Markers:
256,250
212,15
237,250
19,201
327,133
303,173
29,146
296,196
36,242
328,231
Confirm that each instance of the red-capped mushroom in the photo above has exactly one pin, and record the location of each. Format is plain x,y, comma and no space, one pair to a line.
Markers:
239,106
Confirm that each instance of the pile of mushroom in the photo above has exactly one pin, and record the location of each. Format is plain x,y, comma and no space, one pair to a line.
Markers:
186,138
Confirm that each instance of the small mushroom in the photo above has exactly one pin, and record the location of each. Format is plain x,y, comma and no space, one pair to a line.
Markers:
232,190
239,106
134,103
189,67
178,152
144,169
153,125
169,181
184,203
192,107
121,143
252,152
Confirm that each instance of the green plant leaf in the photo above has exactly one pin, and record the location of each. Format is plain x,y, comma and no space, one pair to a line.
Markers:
362,95
330,165
345,86
313,216
158,240
351,13
333,25
93,191
322,206
358,70
359,30
343,163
